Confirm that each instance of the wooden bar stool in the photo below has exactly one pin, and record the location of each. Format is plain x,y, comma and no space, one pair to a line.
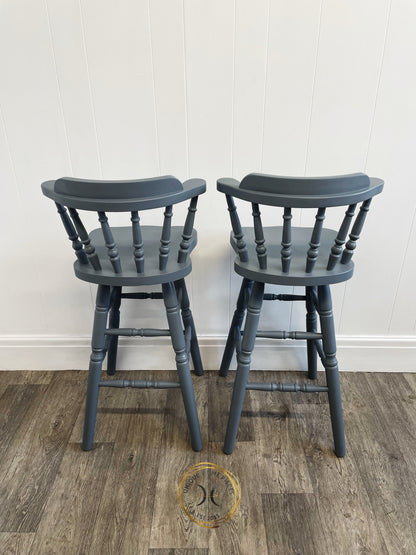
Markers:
134,255
313,258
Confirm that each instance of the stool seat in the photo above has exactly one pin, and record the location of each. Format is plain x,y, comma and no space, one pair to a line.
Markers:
297,277
128,275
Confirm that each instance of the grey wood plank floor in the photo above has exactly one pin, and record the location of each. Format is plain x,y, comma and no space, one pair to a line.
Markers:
297,497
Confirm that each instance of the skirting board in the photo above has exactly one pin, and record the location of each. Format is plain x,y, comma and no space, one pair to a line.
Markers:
355,353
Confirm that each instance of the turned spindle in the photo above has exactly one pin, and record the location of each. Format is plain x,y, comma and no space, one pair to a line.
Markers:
138,250
187,231
355,232
315,240
237,231
286,252
165,238
85,239
109,242
72,234
259,237
336,249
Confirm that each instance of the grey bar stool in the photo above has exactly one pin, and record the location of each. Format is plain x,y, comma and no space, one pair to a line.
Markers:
134,255
313,258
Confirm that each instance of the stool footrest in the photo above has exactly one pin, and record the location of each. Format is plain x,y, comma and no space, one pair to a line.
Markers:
153,295
139,384
142,332
273,297
289,334
287,387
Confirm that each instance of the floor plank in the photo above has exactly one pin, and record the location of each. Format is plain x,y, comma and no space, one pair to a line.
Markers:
277,423
72,509
111,402
384,472
170,526
15,402
292,524
342,500
28,477
245,533
120,498
12,543
126,509
219,407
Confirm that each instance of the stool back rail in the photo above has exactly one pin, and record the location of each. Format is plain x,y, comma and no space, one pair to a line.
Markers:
310,257
135,255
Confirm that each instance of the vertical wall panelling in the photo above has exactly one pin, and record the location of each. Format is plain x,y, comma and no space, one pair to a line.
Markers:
403,314
250,62
73,81
291,61
209,44
36,137
347,75
391,154
166,19
117,37
135,88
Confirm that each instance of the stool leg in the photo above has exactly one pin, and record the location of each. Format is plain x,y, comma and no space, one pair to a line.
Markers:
237,321
188,320
96,362
182,364
114,322
311,321
243,367
331,368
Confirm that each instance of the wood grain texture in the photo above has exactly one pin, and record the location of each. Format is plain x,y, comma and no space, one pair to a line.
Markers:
125,514
297,497
245,533
277,424
169,521
74,501
14,543
28,476
380,463
292,525
219,406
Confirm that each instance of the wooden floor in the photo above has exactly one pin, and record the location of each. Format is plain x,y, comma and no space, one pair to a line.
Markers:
297,497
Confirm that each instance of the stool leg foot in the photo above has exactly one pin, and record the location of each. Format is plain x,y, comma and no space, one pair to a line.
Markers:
96,362
237,321
114,322
331,368
188,320
311,321
243,367
182,364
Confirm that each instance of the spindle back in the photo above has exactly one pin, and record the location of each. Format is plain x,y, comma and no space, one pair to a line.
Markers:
354,190
71,195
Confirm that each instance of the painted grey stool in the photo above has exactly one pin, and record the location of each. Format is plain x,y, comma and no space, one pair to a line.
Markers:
313,258
135,255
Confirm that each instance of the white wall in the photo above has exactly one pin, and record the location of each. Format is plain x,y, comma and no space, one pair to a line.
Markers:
134,88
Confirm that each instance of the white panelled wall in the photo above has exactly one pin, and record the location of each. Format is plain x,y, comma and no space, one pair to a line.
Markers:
137,88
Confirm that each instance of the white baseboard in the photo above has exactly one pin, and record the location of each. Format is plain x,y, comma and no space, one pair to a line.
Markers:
355,353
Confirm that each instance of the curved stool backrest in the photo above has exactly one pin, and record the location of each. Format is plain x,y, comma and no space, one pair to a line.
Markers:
294,192
71,195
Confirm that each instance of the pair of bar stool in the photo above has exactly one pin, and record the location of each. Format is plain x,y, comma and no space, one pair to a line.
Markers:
135,255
